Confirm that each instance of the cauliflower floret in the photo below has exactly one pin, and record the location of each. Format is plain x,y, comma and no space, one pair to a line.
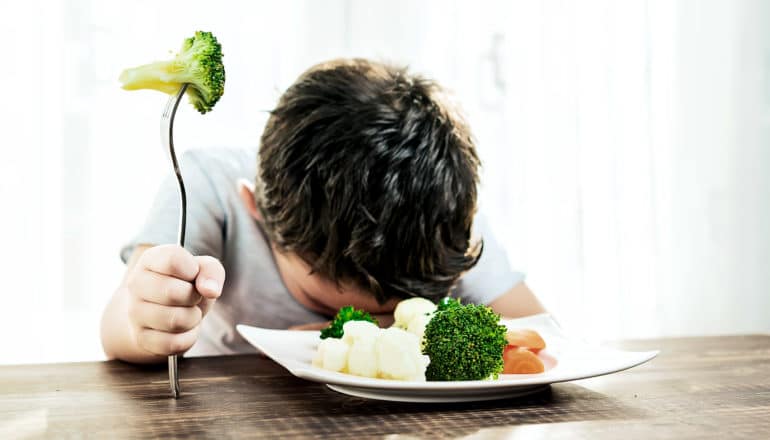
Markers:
399,355
417,325
407,309
356,330
368,351
332,354
362,357
361,336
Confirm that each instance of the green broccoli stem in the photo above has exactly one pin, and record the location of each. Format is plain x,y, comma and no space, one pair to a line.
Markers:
155,76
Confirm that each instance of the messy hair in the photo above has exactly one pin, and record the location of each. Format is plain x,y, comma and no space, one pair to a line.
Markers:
367,173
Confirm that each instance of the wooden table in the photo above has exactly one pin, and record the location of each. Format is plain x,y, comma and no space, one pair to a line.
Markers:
714,387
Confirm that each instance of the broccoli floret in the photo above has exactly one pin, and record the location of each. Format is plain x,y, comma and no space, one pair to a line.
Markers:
448,303
199,64
345,314
464,342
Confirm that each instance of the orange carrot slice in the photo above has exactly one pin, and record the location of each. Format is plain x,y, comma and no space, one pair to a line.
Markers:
517,360
526,338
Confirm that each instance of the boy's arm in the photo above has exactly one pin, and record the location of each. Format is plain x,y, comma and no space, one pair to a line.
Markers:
517,302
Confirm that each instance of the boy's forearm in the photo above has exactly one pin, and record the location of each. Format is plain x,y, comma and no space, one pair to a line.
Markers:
517,302
117,338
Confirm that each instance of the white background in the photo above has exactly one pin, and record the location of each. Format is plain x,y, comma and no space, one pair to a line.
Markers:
626,145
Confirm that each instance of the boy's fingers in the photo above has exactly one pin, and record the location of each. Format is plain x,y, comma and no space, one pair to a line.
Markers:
164,344
162,289
167,319
211,277
171,260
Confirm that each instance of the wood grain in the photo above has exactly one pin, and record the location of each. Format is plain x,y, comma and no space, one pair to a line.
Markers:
711,387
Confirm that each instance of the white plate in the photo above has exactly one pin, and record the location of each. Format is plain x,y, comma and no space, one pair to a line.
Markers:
565,359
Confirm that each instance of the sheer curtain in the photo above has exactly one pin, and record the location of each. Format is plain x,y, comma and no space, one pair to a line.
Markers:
624,145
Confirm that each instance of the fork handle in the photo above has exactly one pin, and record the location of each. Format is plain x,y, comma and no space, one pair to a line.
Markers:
173,374
177,171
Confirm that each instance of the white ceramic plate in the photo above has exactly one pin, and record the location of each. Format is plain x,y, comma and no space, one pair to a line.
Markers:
565,359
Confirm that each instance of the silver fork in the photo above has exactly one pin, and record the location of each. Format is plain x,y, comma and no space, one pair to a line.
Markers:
167,139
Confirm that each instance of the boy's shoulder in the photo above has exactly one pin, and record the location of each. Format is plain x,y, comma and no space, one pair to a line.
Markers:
212,174
223,162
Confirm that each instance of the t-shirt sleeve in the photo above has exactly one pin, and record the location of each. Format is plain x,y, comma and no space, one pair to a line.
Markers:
205,213
492,276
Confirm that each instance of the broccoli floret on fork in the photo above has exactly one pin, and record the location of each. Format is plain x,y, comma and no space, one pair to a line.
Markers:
198,64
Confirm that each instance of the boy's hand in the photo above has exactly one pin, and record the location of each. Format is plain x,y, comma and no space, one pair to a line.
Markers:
170,291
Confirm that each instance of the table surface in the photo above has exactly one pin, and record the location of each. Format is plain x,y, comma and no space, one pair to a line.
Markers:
707,387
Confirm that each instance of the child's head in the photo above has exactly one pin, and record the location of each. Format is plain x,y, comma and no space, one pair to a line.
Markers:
369,176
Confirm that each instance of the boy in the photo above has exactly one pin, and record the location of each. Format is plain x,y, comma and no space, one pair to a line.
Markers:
365,194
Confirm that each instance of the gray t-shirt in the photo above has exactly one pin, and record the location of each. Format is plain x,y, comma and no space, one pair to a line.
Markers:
218,224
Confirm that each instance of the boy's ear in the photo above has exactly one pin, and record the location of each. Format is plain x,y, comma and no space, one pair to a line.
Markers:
246,192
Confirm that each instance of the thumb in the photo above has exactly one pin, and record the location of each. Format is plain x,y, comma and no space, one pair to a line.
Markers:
211,277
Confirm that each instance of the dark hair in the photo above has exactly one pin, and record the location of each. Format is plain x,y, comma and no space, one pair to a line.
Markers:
369,175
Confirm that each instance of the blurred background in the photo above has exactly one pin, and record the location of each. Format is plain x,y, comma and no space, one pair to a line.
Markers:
625,145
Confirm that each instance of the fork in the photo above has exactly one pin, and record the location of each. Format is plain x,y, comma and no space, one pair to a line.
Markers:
167,139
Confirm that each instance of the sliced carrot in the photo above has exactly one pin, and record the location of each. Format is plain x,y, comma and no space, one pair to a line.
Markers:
525,338
517,360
